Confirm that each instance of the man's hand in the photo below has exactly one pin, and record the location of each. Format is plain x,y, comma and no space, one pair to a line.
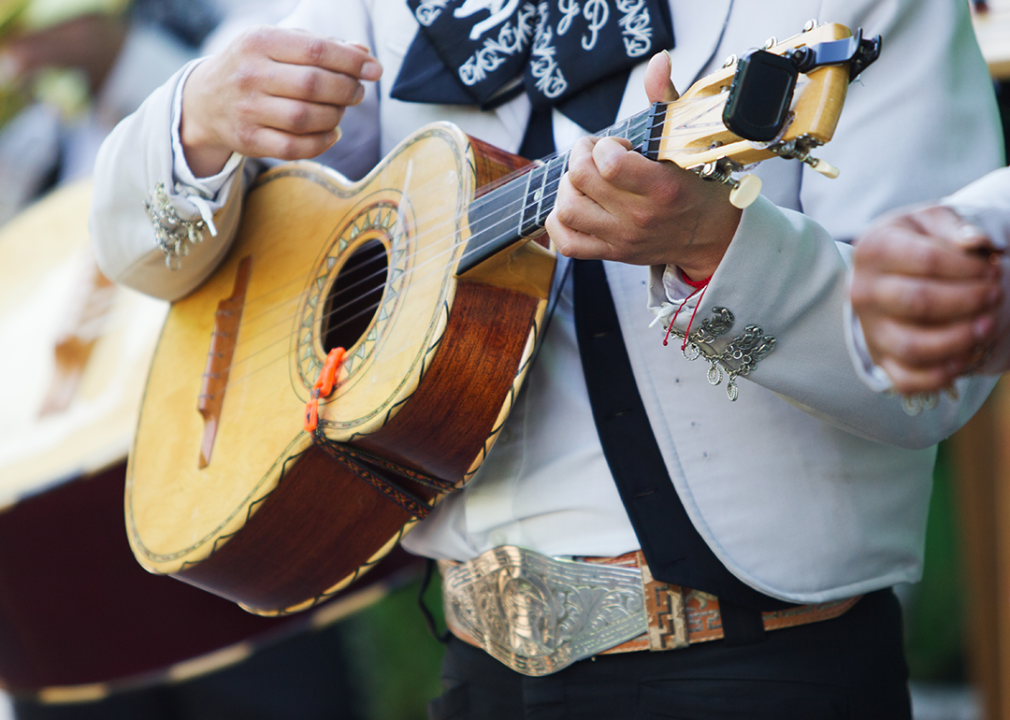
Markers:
271,93
926,287
614,204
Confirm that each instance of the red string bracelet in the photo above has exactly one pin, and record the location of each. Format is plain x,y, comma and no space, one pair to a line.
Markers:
696,284
699,287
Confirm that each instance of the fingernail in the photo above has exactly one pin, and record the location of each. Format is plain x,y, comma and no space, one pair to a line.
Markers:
371,71
611,149
981,328
361,46
969,231
972,238
338,133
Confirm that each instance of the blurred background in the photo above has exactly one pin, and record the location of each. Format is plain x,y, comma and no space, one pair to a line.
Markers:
84,633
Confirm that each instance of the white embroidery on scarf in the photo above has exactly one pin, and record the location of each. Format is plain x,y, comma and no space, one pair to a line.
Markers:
429,10
500,11
549,79
510,41
597,12
636,27
569,11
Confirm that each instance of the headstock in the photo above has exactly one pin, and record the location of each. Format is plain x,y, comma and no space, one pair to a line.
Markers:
695,133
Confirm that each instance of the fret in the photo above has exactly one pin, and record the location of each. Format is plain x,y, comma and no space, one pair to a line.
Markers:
656,121
528,224
549,192
492,221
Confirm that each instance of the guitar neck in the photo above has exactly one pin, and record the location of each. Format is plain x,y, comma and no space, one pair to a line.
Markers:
516,211
693,133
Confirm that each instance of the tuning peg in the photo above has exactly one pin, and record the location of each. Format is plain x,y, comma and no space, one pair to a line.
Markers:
823,167
745,191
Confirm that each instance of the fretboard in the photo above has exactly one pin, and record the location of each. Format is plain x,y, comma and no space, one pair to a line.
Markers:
517,210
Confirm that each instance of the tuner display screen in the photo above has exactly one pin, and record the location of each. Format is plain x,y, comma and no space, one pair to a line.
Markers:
760,96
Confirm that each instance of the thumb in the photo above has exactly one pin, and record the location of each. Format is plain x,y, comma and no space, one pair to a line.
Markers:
658,85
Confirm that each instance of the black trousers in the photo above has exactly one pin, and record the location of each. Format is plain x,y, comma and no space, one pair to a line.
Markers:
852,667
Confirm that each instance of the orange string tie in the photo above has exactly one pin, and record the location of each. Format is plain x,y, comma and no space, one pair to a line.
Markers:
323,387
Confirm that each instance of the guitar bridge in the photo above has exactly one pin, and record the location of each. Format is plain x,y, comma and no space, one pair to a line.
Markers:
223,340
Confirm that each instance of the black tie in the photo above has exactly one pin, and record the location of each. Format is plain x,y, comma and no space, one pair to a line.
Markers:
675,551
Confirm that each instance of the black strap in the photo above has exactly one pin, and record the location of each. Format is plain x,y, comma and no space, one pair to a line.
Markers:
429,619
674,549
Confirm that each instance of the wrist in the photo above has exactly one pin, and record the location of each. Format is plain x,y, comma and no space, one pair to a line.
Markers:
700,268
701,260
205,154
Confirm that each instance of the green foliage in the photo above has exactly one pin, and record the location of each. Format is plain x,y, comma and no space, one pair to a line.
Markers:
934,616
396,658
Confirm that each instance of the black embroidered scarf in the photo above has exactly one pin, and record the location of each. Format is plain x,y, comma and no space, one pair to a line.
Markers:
574,55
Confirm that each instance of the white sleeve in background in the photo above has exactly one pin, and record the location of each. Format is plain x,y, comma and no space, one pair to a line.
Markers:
869,372
986,204
140,156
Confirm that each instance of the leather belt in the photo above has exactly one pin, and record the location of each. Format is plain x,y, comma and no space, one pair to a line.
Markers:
539,614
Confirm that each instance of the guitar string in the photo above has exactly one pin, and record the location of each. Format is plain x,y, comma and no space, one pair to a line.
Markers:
712,100
505,220
679,105
286,335
492,185
716,100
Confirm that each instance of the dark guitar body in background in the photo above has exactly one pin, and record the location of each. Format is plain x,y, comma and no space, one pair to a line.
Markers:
77,610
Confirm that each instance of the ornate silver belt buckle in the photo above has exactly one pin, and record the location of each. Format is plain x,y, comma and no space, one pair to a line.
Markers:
538,614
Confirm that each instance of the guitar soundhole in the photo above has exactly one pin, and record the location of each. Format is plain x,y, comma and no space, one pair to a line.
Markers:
355,296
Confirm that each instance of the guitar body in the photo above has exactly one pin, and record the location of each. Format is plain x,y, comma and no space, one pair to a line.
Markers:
79,618
241,500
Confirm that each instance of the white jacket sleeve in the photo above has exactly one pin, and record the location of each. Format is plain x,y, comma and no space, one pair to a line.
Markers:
986,203
135,196
140,207
919,124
